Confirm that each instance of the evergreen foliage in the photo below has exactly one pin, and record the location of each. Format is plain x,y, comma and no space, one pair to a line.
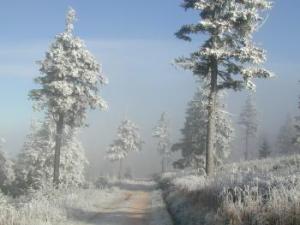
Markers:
228,58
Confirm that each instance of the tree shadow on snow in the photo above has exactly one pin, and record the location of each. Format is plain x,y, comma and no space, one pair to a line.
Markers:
136,186
118,216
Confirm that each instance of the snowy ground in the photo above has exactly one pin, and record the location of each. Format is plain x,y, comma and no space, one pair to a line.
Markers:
132,203
135,203
260,192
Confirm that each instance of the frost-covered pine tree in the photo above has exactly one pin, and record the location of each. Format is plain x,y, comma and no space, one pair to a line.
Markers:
265,149
297,127
286,137
6,168
162,133
128,140
128,173
34,168
193,143
70,81
248,121
229,57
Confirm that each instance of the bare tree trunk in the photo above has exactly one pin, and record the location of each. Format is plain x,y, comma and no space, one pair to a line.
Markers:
163,165
166,163
247,145
211,117
197,166
58,142
120,169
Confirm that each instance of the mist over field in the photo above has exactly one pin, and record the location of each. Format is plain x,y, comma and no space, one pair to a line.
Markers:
121,113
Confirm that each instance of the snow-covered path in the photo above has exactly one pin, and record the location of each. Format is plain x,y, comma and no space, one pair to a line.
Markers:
133,204
131,209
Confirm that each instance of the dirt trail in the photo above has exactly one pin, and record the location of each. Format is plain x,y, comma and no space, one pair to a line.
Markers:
132,209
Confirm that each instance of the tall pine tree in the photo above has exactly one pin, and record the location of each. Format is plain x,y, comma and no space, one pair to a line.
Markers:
70,80
228,58
162,133
7,174
286,138
34,167
193,143
265,149
297,127
128,140
248,121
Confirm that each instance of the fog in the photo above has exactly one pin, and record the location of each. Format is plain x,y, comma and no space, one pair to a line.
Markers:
141,86
143,83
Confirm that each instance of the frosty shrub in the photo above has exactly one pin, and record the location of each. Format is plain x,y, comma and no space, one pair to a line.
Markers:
53,207
255,192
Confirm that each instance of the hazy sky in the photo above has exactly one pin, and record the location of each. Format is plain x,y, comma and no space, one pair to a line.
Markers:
134,41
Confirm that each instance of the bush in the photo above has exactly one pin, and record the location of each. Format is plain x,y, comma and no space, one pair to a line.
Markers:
102,182
50,206
259,192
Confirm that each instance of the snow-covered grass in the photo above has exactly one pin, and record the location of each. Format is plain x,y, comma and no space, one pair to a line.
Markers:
256,192
107,182
68,206
53,207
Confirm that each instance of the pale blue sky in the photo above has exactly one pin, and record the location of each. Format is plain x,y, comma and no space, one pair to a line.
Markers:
134,40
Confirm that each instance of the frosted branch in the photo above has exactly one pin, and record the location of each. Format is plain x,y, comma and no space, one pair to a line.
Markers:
70,19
